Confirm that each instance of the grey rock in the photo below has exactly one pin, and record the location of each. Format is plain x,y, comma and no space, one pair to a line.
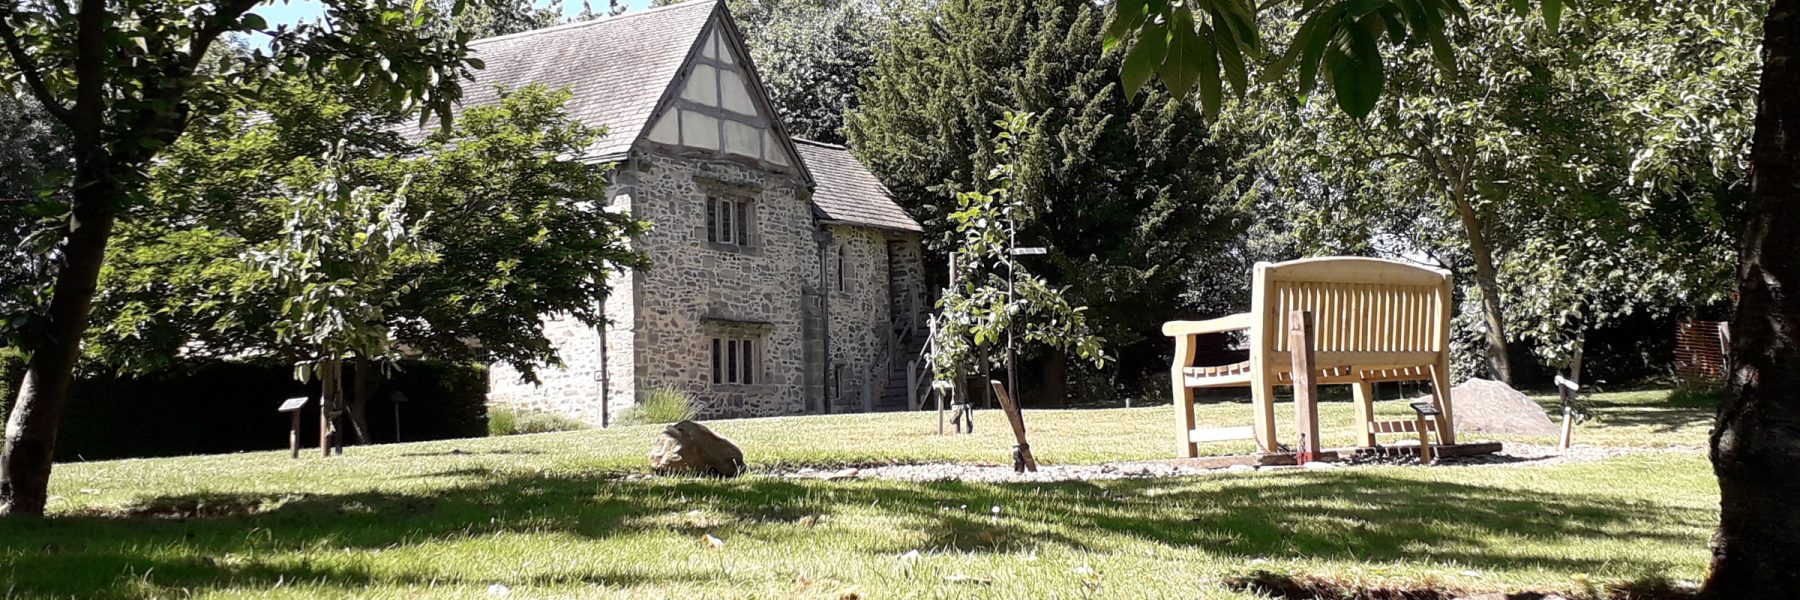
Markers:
690,448
1484,406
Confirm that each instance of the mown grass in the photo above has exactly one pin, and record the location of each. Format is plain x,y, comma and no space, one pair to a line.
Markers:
549,516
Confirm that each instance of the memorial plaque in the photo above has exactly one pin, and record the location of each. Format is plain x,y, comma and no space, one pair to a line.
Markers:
293,404
1425,409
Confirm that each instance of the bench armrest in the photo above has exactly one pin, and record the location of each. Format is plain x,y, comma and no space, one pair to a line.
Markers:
1235,322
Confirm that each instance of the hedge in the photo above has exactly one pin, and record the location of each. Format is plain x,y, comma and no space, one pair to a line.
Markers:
12,369
205,407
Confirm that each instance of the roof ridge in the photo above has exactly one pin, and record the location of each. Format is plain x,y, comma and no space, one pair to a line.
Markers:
590,22
818,143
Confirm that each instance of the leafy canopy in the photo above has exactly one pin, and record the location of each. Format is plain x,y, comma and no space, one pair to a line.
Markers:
1125,192
272,232
994,296
1204,44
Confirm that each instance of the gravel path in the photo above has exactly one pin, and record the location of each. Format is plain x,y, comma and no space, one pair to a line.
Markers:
1514,455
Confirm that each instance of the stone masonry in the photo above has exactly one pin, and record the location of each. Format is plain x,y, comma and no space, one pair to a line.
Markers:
779,261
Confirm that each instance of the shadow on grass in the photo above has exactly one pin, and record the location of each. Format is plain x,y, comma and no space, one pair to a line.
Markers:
1287,587
249,542
1678,413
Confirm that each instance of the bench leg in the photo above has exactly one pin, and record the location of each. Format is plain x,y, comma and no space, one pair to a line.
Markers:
1262,402
1184,398
1365,413
1440,393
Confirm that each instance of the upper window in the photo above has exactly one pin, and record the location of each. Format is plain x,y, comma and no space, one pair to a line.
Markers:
728,220
843,279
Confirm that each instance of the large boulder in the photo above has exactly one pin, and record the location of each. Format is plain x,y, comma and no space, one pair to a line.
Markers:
690,448
1485,406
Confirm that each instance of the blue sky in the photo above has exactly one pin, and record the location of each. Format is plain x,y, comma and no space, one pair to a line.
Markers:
294,11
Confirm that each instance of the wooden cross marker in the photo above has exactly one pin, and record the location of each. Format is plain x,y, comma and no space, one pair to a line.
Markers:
1306,385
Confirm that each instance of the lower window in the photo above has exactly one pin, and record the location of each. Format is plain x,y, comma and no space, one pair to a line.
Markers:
734,360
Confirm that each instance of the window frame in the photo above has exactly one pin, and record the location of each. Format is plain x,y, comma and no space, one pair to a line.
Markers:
730,220
736,359
843,271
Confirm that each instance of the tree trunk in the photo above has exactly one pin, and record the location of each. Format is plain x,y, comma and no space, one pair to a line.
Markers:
1487,279
1756,442
1056,378
31,429
359,403
1575,361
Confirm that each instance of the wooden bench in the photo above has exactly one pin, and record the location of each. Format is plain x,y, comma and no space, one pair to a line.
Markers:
1375,320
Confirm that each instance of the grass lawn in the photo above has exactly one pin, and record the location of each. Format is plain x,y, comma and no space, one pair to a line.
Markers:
549,516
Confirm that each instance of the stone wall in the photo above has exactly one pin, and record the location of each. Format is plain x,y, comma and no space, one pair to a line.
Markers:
664,319
593,371
862,310
906,262
697,290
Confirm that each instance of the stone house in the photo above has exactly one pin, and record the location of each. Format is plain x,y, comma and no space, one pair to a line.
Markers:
785,280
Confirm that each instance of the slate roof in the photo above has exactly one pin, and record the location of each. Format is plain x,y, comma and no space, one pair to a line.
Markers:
617,68
848,192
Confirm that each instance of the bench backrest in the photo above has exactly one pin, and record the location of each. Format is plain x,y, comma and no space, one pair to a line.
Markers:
1366,311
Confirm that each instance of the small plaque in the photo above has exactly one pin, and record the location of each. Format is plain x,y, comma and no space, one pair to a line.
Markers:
293,404
1425,409
1029,251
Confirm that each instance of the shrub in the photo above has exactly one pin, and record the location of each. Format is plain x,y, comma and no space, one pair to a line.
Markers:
661,406
12,370
507,421
203,407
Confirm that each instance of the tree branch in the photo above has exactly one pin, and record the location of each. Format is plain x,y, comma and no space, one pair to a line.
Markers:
90,72
33,76
222,21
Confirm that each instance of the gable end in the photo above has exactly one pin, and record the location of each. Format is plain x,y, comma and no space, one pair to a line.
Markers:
716,106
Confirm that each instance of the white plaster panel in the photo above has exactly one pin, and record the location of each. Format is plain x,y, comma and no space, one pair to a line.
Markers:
699,130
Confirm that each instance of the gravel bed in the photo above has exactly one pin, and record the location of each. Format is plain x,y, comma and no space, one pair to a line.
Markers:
1514,455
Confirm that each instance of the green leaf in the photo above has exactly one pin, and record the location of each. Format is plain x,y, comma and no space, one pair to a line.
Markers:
1356,72
1232,62
253,22
1553,14
1319,32
1211,97
1127,16
1145,56
1440,43
1183,62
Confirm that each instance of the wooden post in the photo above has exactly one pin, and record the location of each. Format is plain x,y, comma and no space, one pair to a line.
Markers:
940,389
912,385
325,409
1022,459
1421,410
1306,386
292,406
1424,439
1567,388
337,385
